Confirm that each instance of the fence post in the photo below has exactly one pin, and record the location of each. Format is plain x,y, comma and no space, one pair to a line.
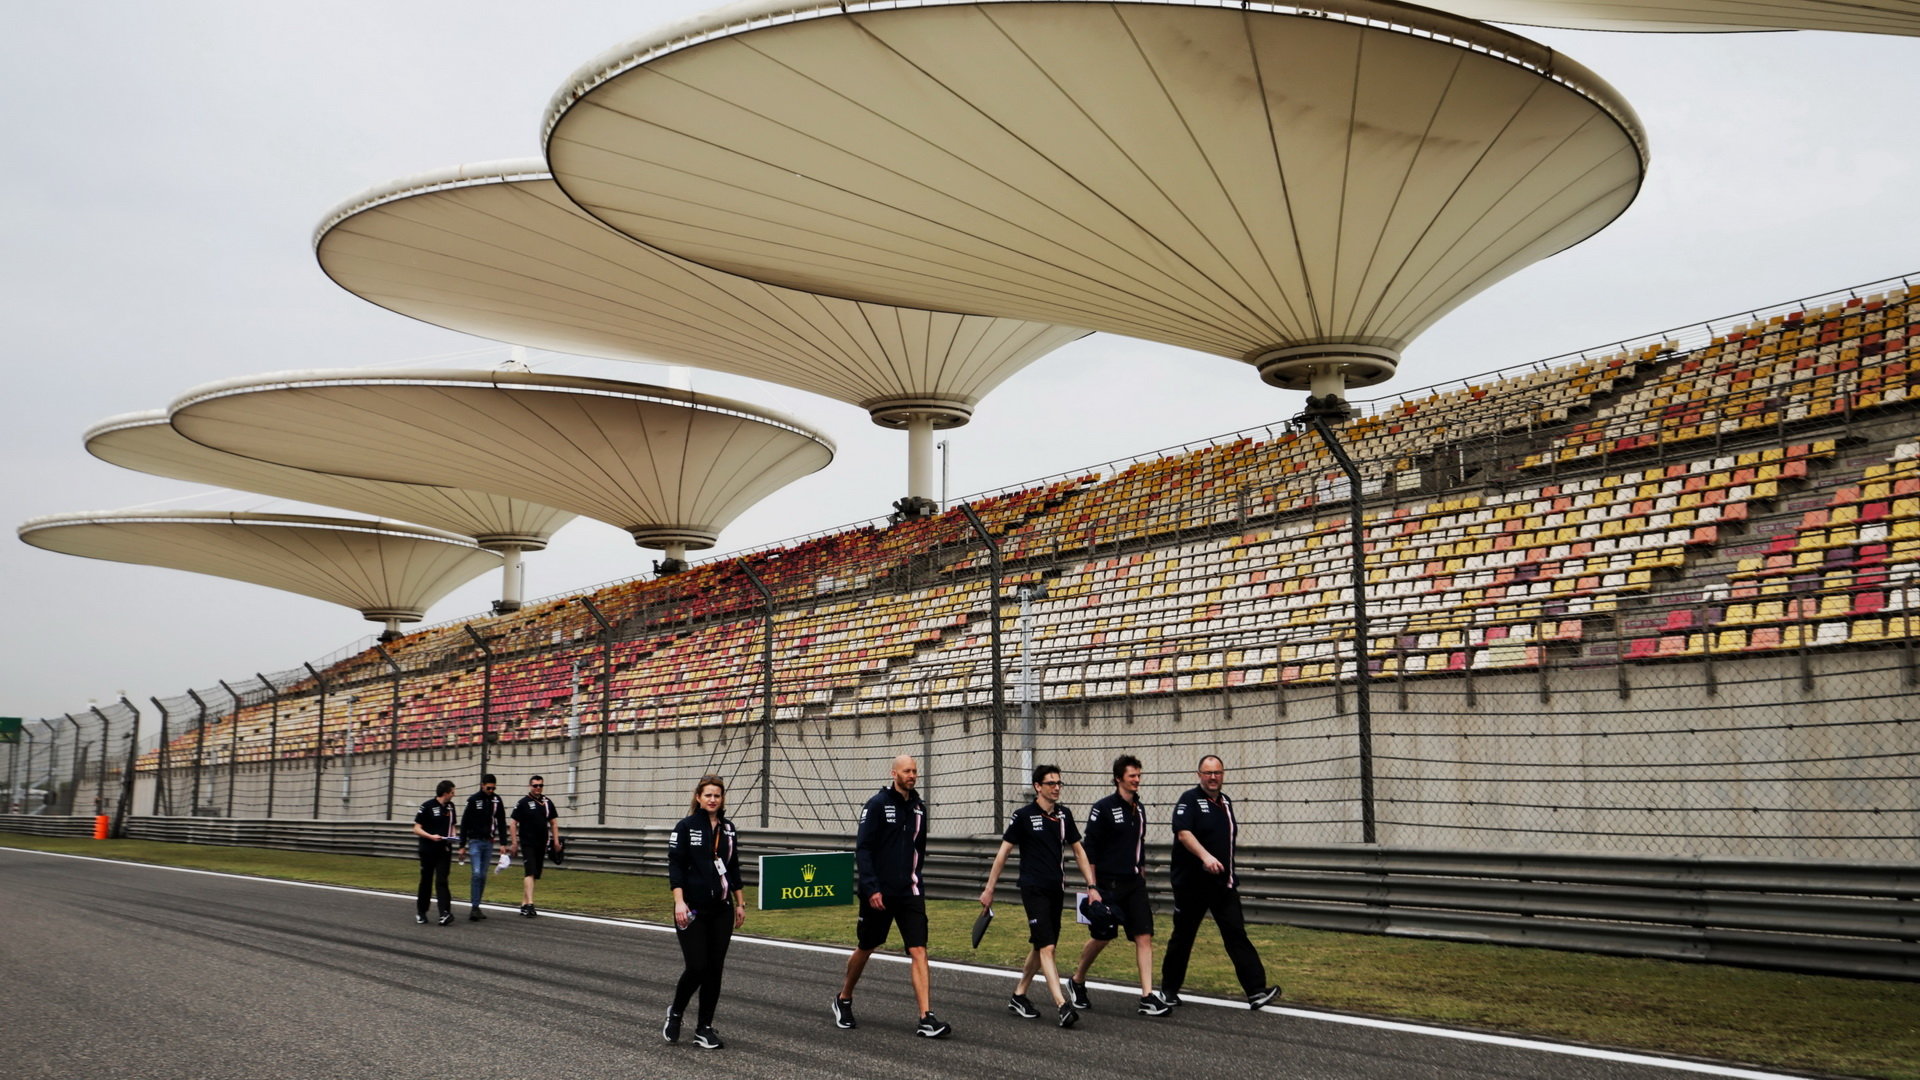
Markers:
100,777
125,805
999,688
273,742
199,752
766,696
486,696
606,699
393,729
1362,639
161,781
319,739
233,748
79,758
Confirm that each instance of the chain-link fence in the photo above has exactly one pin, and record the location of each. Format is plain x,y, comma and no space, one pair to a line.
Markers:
1602,605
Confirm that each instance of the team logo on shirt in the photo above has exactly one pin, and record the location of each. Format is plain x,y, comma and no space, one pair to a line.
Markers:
1119,815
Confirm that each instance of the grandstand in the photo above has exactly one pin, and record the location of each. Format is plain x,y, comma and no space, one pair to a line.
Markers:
1659,600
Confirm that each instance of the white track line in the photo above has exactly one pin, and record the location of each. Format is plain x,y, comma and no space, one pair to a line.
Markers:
1564,1049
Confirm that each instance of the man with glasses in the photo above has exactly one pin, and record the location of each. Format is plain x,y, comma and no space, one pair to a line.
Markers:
533,827
1044,832
1204,834
1117,844
483,824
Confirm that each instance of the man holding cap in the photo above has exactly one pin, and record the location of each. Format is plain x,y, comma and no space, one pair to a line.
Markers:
1117,844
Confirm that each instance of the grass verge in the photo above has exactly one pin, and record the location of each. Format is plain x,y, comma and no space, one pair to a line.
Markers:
1851,1027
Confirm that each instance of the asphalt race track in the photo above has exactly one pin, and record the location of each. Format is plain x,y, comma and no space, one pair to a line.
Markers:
118,970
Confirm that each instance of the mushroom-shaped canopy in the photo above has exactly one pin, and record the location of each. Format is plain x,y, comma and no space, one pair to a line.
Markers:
672,467
496,250
1879,17
146,442
388,572
1305,190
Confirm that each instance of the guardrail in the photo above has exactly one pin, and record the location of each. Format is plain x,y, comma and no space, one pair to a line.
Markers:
1821,917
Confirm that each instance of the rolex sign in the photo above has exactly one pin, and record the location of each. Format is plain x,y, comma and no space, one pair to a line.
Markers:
819,879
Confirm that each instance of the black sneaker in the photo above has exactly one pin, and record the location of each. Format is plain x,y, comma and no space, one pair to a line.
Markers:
706,1038
843,1012
670,1030
474,914
421,918
1260,999
446,918
1019,1006
1154,1005
932,1027
1069,1015
527,910
1172,998
1077,993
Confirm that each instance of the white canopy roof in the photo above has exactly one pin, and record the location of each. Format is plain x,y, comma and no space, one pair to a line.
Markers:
496,250
386,571
1878,17
672,467
146,442
1303,190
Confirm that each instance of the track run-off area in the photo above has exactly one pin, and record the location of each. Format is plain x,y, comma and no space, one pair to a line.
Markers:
114,969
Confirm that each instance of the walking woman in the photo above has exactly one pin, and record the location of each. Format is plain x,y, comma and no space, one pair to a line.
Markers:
703,864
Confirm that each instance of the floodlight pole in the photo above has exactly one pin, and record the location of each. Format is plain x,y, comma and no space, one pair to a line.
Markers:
999,691
766,696
1319,410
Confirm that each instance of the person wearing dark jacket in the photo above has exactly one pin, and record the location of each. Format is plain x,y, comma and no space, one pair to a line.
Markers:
435,827
889,851
1204,880
483,825
709,904
1116,842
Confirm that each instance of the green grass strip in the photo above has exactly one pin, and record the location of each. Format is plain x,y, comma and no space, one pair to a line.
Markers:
1852,1027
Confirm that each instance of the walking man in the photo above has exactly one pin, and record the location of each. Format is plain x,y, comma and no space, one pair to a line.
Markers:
889,850
483,824
1204,834
1044,832
532,828
434,826
1116,842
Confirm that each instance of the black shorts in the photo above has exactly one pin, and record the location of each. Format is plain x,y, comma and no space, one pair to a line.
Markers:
1129,903
1043,915
910,912
534,859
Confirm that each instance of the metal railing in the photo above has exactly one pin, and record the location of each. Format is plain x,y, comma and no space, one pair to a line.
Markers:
1821,917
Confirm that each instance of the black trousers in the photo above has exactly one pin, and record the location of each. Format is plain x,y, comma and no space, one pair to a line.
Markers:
1191,904
435,861
704,945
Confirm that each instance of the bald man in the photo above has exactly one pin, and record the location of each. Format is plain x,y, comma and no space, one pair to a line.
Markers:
889,851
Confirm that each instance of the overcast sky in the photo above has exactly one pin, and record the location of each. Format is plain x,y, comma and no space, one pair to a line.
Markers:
165,165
